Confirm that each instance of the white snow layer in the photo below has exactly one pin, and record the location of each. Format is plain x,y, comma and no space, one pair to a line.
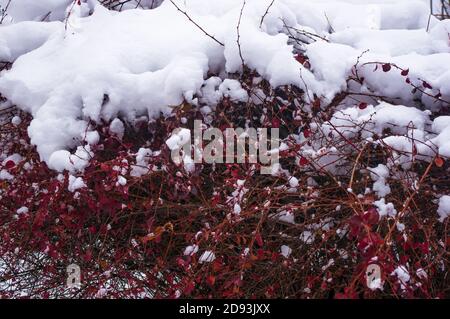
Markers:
32,10
207,257
444,207
97,64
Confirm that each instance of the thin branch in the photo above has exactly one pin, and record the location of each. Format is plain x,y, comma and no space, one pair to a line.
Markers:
265,14
5,11
239,35
196,24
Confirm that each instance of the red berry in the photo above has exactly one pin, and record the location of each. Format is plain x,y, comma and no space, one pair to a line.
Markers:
362,105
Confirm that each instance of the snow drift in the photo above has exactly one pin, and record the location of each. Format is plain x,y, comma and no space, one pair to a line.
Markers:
95,65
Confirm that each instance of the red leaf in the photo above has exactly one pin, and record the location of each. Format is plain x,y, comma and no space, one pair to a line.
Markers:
372,216
211,280
217,265
426,85
362,105
300,58
414,150
387,67
439,161
303,161
259,240
92,229
316,104
276,123
405,72
307,133
10,164
189,288
88,256
355,225
235,173
260,254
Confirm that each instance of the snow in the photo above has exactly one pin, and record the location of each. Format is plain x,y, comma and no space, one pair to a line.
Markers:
379,174
286,217
207,257
441,126
385,209
421,273
178,139
188,164
64,160
117,128
78,64
101,293
15,158
19,39
293,182
237,209
92,137
190,250
444,208
307,237
122,181
375,284
75,183
376,119
409,128
25,10
16,120
402,274
22,210
285,251
142,159
4,175
102,64
111,65
233,90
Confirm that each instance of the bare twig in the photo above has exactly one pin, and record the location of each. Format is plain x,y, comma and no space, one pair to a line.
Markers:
4,13
196,24
239,35
266,13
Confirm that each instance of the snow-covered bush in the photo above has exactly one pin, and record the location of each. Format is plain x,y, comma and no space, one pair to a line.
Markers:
440,8
120,5
359,91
